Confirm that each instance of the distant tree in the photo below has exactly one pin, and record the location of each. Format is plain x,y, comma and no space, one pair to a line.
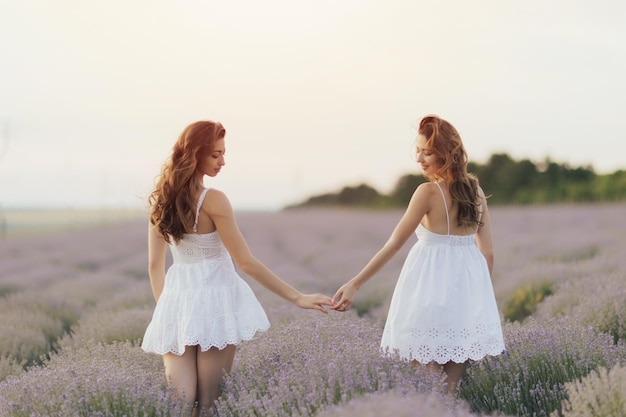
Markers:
496,176
361,195
610,187
504,180
405,187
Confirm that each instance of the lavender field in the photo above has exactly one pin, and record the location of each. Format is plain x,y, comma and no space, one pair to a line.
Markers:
74,303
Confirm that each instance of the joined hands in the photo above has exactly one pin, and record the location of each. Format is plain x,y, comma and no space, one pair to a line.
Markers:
341,301
314,302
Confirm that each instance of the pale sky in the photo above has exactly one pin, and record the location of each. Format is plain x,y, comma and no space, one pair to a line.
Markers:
314,95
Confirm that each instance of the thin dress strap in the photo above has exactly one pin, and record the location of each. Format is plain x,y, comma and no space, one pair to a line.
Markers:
200,200
445,204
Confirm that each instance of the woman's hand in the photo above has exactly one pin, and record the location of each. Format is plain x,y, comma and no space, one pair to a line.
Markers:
342,299
314,302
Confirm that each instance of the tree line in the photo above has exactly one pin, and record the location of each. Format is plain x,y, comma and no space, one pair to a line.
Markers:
504,179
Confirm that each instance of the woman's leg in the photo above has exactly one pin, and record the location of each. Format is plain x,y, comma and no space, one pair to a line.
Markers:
433,366
454,372
212,365
181,373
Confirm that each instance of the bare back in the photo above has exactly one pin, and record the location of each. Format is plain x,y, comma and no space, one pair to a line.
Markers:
436,220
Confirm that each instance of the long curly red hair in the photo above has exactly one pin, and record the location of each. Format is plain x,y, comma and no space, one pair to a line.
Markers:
172,200
446,143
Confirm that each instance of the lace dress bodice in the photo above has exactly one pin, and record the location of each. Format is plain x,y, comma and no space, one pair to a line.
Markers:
198,247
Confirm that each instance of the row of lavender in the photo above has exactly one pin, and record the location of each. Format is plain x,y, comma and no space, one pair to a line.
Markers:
73,307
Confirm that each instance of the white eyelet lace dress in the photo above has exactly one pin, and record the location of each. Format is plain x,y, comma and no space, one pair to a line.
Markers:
443,307
204,301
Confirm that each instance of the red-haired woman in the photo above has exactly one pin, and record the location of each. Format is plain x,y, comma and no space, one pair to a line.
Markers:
204,308
443,312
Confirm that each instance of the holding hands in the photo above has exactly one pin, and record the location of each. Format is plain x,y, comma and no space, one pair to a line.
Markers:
314,302
342,300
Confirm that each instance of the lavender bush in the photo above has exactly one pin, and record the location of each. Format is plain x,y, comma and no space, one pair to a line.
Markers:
97,380
529,380
9,366
57,281
397,403
602,393
72,295
595,300
28,334
123,316
109,326
556,243
307,364
35,322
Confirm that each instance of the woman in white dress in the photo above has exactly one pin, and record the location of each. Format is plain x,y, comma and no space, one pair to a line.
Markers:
443,312
204,309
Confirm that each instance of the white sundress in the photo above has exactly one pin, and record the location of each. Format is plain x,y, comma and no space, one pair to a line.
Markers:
443,307
204,301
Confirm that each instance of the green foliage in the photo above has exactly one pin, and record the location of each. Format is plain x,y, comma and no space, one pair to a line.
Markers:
7,290
405,187
525,300
611,187
361,195
506,180
363,307
530,379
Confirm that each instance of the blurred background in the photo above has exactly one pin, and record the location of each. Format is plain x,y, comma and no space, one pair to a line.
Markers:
315,95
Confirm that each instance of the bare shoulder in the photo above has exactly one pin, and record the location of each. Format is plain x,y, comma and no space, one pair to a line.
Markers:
214,193
426,190
423,196
420,204
426,187
216,202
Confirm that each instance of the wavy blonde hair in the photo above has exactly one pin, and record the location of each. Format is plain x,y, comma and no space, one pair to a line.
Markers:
172,208
447,146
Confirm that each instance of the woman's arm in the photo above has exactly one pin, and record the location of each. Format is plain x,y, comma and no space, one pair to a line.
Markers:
483,236
217,206
417,208
157,248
